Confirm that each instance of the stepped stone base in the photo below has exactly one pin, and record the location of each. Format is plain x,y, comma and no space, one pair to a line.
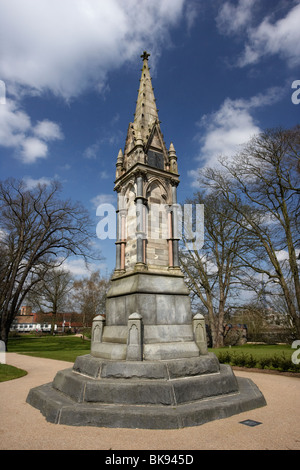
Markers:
160,300
148,394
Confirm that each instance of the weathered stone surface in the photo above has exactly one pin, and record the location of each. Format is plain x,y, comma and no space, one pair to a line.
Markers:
160,283
170,350
163,309
133,370
115,334
167,333
107,350
100,368
164,391
60,409
208,364
73,385
205,386
130,392
88,365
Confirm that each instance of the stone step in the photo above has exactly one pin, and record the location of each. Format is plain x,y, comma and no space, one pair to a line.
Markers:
168,369
60,409
142,391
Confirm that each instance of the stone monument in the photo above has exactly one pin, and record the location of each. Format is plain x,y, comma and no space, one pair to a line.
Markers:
148,365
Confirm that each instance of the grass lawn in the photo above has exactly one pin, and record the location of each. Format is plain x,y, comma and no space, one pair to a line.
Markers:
67,348
63,348
10,372
259,350
262,356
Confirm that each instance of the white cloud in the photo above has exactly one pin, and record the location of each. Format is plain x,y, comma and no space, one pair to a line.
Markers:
67,46
65,167
91,152
282,255
32,149
194,9
104,199
232,18
265,37
223,132
111,137
104,175
281,38
32,183
14,123
18,132
79,268
48,130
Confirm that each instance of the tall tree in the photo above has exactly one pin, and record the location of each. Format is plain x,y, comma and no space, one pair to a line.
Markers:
261,184
38,231
52,293
89,296
214,272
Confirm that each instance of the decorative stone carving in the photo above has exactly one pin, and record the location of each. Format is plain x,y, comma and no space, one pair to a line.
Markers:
134,341
199,330
97,328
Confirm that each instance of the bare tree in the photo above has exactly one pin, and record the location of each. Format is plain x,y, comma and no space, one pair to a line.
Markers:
52,293
254,316
261,184
38,231
89,296
214,272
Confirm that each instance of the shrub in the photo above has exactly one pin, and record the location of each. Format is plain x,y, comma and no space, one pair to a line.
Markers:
251,361
281,362
265,362
239,360
224,357
284,363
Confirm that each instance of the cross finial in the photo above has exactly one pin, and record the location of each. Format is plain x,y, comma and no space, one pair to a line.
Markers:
145,55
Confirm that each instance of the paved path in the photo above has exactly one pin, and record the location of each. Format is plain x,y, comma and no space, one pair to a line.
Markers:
24,428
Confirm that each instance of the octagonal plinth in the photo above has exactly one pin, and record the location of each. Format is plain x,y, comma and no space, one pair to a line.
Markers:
154,395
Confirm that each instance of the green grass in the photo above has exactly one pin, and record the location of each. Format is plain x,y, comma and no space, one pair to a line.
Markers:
260,350
8,372
63,348
265,356
67,348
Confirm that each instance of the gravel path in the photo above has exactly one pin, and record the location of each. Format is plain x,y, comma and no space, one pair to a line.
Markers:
24,428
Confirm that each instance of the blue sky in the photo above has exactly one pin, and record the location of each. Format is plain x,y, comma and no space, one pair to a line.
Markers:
222,71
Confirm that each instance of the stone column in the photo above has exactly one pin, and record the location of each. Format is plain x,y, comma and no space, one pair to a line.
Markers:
176,236
135,338
118,242
123,239
121,233
140,233
199,330
170,237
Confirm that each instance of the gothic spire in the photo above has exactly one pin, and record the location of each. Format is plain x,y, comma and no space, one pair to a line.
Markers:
144,135
146,112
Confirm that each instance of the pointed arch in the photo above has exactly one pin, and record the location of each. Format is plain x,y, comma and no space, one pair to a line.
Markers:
129,192
156,191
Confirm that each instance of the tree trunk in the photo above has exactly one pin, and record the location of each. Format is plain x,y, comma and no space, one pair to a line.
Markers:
217,334
216,326
4,336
